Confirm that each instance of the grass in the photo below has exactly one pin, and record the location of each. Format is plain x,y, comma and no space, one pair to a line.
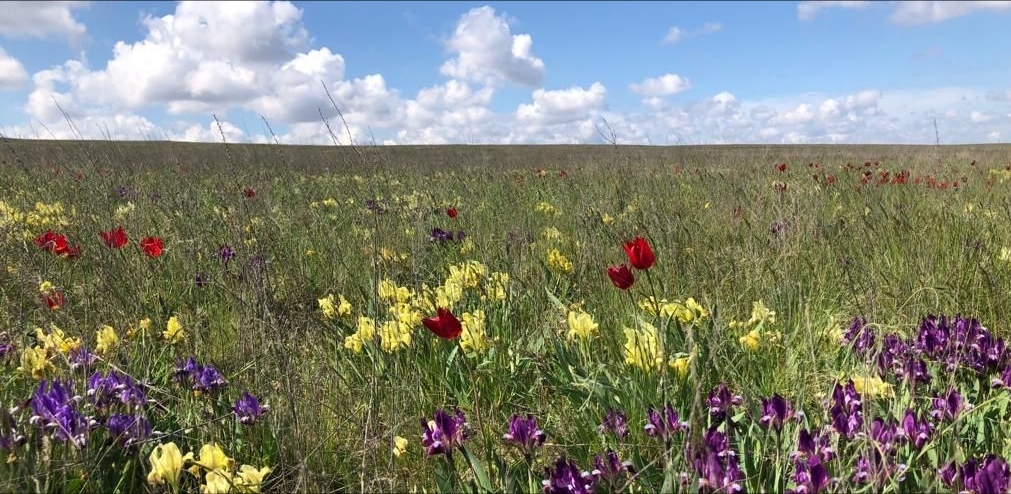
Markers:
728,228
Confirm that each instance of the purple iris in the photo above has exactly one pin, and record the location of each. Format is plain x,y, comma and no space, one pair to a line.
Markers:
716,464
567,478
775,411
201,378
846,410
721,400
809,476
54,409
81,358
614,422
817,444
523,432
128,430
226,253
915,430
946,407
859,336
664,423
248,408
610,470
115,387
444,432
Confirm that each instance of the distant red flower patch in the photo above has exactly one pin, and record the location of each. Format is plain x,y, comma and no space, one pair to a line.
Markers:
451,212
53,299
58,244
114,239
249,193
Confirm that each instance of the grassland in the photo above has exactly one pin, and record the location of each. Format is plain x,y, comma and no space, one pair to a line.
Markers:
890,234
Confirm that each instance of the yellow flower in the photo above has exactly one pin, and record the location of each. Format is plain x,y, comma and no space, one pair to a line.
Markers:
212,457
46,287
166,465
495,287
249,479
751,340
399,446
56,340
1005,254
551,233
698,312
391,293
407,315
761,314
558,262
35,363
327,306
872,386
353,342
607,219
467,246
394,336
642,347
680,365
582,325
143,326
546,208
366,328
174,332
217,482
107,340
473,337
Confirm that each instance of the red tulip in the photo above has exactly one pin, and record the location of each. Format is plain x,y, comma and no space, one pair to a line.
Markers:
782,167
152,246
249,193
115,239
451,212
621,276
53,299
58,244
445,325
640,255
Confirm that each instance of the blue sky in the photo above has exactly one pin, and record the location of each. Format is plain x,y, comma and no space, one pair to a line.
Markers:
510,72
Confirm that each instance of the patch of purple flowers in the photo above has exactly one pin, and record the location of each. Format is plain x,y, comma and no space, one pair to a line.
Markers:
846,410
716,464
106,390
567,478
248,408
523,433
614,422
54,410
128,430
201,378
444,433
442,236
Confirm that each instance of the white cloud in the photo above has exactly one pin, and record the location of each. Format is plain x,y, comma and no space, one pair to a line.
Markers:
485,51
919,12
12,73
676,34
977,116
994,136
564,105
41,19
807,10
664,85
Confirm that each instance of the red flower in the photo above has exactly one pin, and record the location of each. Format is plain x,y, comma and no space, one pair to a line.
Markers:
444,325
115,239
58,244
53,299
249,192
152,246
782,167
640,255
621,276
451,212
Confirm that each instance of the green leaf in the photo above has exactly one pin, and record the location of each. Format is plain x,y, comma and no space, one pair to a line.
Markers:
475,465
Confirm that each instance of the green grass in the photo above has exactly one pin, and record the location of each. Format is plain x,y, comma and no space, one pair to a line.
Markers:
891,253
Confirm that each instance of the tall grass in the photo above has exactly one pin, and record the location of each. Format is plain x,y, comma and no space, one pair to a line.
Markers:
728,227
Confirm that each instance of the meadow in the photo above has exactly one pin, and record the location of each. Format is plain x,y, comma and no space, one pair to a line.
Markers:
258,318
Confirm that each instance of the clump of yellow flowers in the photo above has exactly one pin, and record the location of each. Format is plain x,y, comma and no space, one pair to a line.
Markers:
756,333
214,466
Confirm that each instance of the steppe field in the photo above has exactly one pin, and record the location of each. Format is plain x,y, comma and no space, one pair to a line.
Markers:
259,318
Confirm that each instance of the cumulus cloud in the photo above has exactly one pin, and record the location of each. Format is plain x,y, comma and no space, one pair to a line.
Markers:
919,12
12,73
676,34
564,105
484,50
41,19
807,10
664,85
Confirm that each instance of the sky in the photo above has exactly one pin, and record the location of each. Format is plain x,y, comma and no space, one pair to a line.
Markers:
660,73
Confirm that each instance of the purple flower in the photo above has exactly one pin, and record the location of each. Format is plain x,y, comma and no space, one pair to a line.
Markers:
81,358
775,411
914,430
226,253
846,410
567,478
614,422
716,464
128,430
54,409
523,432
200,280
444,433
9,435
948,473
859,336
994,475
779,227
208,380
721,400
1004,381
664,423
884,433
946,407
6,347
105,390
862,474
809,476
818,444
248,408
610,470
374,206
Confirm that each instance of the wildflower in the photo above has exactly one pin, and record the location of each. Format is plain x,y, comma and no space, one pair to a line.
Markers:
444,433
948,406
751,340
609,469
721,401
775,411
217,482
581,325
208,379
249,192
81,358
35,363
114,239
846,410
394,336
640,254
445,325
523,433
249,479
621,276
152,246
472,337
558,262
127,429
54,409
567,478
614,422
680,365
607,219
54,299
810,476
872,386
58,244
226,253
174,332
212,457
107,339
664,423
915,430
399,446
327,305
451,212
247,409
642,347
